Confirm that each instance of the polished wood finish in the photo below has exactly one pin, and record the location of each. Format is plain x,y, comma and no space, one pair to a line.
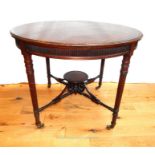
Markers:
48,67
76,121
101,73
76,76
31,79
76,40
89,53
120,88
75,33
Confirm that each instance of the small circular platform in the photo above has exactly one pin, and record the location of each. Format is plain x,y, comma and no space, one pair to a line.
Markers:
75,76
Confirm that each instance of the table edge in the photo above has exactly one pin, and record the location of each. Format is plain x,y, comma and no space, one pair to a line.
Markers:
62,45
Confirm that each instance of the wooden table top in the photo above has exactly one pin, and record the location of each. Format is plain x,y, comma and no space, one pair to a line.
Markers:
75,33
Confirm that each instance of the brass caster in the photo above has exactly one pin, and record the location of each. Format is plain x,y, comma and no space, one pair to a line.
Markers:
49,86
40,125
109,127
98,87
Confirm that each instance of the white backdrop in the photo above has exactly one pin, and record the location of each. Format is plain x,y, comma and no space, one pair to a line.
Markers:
139,14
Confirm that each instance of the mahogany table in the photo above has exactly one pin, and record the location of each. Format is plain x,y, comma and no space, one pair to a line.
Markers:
75,40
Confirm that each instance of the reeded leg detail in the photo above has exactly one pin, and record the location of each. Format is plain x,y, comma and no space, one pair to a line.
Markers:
123,74
48,72
32,87
101,73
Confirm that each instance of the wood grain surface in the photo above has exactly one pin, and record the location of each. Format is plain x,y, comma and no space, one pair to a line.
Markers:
76,121
75,33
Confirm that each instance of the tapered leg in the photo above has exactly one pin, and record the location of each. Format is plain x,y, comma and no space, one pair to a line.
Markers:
31,80
123,74
101,73
48,72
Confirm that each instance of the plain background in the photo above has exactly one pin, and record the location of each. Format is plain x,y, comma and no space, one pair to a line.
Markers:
134,13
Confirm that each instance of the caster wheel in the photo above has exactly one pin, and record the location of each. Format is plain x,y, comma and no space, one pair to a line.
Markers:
97,87
40,125
109,127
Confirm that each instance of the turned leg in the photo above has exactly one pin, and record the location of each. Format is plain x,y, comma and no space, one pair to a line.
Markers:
123,74
48,72
32,87
101,73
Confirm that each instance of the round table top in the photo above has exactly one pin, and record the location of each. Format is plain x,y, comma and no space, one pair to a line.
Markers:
75,33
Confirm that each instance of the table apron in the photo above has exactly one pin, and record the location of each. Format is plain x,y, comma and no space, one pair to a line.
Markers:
88,53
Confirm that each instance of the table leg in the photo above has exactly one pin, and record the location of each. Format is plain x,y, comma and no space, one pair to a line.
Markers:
123,74
101,73
31,79
48,72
